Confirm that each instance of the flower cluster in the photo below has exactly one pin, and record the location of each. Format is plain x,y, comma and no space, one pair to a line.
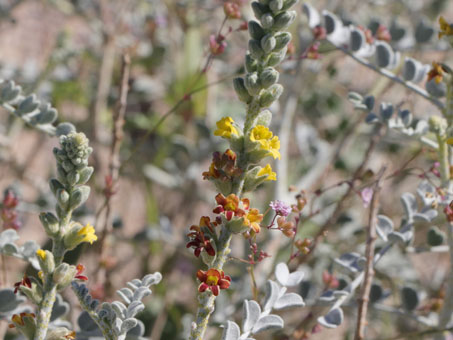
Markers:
446,29
264,138
200,238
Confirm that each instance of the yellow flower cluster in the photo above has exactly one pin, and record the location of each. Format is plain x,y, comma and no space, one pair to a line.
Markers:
88,234
267,170
445,28
225,128
266,139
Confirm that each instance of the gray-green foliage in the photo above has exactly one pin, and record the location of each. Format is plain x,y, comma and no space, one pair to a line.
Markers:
26,252
40,115
256,319
116,319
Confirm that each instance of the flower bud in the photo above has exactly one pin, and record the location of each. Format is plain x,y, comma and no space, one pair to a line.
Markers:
270,95
62,198
288,4
268,77
72,177
268,43
282,40
267,21
255,30
63,275
79,196
55,185
255,49
283,20
252,83
25,323
241,90
46,261
85,174
60,333
276,58
259,9
276,5
50,223
264,118
250,64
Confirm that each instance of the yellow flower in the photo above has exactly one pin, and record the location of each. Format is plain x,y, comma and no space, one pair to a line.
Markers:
41,253
267,170
88,234
253,220
445,27
41,275
262,135
225,128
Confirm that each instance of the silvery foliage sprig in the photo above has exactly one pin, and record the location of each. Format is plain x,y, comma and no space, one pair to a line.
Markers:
354,263
351,39
26,252
116,319
401,121
258,320
35,113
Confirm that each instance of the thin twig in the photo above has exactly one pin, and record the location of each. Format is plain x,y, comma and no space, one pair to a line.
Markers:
117,137
369,253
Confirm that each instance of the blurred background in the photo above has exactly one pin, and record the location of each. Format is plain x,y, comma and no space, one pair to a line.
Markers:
69,53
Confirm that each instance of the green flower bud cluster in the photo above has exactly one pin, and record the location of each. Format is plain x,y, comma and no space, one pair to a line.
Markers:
73,173
267,48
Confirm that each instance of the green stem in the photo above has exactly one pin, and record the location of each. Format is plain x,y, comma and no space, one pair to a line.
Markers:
45,309
443,159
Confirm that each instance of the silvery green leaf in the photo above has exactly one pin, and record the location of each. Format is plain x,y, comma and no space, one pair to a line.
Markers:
409,204
371,118
267,322
289,300
140,293
138,330
28,105
126,294
252,312
400,237
272,292
128,324
134,308
331,22
337,33
255,30
9,301
409,298
423,32
8,236
314,19
282,273
152,279
117,326
386,110
65,129
10,249
437,90
60,308
369,102
376,293
46,114
384,226
435,236
414,70
397,32
357,40
428,215
9,91
332,319
349,262
119,308
405,116
327,298
231,331
385,56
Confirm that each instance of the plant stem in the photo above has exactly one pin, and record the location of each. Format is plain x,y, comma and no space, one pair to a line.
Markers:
45,309
369,270
443,159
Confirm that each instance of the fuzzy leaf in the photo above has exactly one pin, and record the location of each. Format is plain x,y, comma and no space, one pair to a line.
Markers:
252,312
289,300
267,322
272,292
231,331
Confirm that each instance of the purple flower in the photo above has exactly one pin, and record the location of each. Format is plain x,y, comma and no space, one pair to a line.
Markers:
280,208
366,195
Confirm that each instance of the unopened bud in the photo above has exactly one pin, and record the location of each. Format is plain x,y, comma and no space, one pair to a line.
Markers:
267,21
270,95
282,40
283,20
276,5
255,30
241,90
268,77
255,49
252,83
50,223
268,43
